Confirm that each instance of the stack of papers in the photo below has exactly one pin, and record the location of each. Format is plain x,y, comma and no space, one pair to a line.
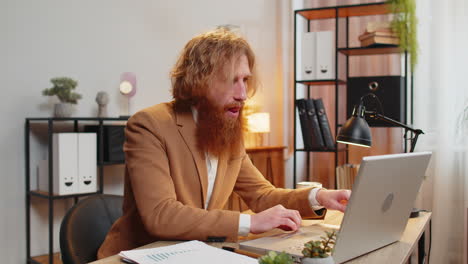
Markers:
187,252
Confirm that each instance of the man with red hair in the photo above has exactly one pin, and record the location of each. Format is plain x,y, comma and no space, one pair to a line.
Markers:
186,157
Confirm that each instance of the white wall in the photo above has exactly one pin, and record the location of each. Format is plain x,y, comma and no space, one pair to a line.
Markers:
94,42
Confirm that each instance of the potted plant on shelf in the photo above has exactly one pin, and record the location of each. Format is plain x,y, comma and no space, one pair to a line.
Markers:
404,23
275,258
318,251
63,88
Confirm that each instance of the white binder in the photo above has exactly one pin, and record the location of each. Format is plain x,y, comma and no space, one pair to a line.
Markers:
308,56
325,55
87,158
74,164
65,156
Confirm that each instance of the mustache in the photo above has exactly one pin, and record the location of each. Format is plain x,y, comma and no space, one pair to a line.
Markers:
234,105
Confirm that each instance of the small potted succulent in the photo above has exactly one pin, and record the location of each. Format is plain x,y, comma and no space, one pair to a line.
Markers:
319,251
275,258
63,88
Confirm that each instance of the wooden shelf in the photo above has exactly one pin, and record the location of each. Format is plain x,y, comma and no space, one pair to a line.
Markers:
320,82
44,194
317,150
44,259
336,19
317,13
360,51
370,9
49,125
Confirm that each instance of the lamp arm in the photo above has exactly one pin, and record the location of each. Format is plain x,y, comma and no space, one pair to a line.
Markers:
375,115
417,132
414,139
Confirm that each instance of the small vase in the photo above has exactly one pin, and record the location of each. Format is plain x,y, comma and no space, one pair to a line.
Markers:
102,111
327,260
63,110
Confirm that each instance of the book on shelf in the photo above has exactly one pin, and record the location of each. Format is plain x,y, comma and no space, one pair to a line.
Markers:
346,175
310,127
312,118
379,37
380,41
324,125
373,26
389,34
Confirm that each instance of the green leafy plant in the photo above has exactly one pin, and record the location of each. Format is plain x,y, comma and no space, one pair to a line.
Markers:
404,24
63,88
275,258
320,248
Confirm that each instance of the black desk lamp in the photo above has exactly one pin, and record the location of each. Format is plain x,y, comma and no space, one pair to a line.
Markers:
356,131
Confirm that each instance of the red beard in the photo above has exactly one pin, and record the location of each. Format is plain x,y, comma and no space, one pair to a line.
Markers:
216,133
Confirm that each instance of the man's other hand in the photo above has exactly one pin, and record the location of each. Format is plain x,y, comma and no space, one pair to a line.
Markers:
333,199
275,217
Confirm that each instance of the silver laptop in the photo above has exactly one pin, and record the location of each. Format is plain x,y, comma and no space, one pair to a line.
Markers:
377,213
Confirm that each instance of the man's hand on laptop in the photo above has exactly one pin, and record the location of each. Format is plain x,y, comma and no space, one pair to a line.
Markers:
333,199
275,217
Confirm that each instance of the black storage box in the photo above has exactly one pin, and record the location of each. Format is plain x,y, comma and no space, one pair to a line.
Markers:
389,89
114,138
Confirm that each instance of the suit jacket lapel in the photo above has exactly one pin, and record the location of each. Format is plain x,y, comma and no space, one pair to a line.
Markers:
187,128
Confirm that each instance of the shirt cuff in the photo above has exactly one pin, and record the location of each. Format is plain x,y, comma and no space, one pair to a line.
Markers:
244,224
314,204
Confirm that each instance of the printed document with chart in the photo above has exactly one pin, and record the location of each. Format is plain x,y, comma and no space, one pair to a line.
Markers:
187,252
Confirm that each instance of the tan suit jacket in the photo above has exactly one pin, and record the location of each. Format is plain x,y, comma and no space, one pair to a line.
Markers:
166,185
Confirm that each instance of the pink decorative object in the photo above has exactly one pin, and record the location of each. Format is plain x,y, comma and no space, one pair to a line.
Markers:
127,88
128,84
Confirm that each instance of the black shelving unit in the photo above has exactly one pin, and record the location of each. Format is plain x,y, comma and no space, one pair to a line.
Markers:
50,196
337,13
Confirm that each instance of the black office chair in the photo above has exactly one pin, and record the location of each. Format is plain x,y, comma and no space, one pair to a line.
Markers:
85,226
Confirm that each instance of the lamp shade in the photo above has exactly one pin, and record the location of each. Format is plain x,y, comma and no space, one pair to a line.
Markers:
258,122
355,131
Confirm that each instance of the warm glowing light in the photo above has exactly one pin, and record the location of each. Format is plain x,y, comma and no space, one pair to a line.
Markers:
355,144
125,87
258,122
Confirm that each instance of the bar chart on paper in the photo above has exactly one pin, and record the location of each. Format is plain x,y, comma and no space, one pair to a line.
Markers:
186,252
159,257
